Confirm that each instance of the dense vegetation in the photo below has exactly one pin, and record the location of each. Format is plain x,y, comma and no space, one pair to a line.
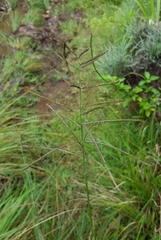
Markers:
88,167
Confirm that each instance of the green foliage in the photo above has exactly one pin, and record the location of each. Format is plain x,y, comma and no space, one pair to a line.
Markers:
104,26
13,4
111,23
33,16
137,216
139,50
127,13
117,59
146,47
150,9
15,20
145,96
39,5
138,54
23,66
89,173
86,4
36,9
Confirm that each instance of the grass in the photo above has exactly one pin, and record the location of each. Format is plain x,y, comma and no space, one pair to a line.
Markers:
90,173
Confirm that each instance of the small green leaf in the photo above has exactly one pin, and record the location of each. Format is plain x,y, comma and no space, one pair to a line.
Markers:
148,80
148,89
141,83
121,80
107,78
146,106
139,99
124,87
147,75
134,97
126,102
147,113
141,111
155,91
153,78
137,90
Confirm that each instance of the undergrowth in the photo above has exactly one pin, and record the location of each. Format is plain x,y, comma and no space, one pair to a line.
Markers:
92,172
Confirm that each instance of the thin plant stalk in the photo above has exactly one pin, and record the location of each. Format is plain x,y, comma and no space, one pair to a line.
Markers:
154,12
84,158
143,9
84,155
152,9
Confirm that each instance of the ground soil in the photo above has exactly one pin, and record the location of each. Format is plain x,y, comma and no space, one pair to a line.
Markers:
49,38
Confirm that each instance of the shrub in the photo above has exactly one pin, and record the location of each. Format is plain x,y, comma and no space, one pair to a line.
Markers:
138,53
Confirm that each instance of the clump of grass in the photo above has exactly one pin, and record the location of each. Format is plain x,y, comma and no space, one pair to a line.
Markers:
15,20
127,207
28,194
13,4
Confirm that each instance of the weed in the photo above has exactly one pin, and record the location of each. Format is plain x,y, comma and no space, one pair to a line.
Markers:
117,60
150,10
15,20
13,4
145,94
90,173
